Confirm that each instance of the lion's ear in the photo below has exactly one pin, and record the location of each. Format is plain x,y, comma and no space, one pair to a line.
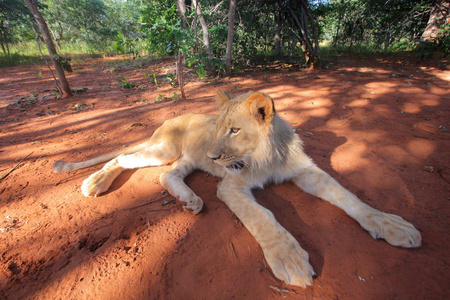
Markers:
261,107
222,98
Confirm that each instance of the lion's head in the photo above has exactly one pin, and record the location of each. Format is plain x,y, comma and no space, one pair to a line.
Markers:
249,134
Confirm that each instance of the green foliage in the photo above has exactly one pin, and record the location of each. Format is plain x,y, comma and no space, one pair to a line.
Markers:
79,91
385,25
134,27
124,45
443,39
162,27
126,84
171,79
14,25
25,102
153,76
15,59
64,61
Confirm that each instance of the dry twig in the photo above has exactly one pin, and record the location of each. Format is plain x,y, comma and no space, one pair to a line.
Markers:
4,176
280,289
150,202
234,250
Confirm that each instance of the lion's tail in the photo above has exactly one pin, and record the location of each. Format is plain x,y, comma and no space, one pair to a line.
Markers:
64,167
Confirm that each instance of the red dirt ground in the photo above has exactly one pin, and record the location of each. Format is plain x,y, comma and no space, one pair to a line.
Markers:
377,125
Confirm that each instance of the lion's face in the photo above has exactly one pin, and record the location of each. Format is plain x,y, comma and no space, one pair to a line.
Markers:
242,130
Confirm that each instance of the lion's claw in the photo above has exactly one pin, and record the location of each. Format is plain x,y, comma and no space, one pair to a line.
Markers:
194,204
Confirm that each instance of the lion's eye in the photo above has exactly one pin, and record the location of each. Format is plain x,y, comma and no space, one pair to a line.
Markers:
234,130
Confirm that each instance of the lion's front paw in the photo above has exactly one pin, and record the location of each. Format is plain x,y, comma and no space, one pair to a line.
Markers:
96,184
290,263
192,203
394,229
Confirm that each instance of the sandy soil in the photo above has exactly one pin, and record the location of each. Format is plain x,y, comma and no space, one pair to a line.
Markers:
377,125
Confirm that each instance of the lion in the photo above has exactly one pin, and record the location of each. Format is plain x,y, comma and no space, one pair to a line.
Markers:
248,145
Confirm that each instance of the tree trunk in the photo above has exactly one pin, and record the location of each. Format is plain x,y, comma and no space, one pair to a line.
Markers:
231,16
63,84
297,14
440,14
338,24
303,37
316,62
277,37
198,11
180,79
181,7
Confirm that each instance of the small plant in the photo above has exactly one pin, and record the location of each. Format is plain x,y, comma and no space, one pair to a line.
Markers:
160,97
201,72
126,84
171,79
154,77
175,96
78,91
138,124
64,62
26,102
78,106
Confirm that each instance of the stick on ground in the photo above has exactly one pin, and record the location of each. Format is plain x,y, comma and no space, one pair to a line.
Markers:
4,176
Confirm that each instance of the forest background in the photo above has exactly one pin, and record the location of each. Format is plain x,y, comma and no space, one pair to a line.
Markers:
303,31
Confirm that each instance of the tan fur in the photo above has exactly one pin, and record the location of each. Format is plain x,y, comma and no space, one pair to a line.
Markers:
248,145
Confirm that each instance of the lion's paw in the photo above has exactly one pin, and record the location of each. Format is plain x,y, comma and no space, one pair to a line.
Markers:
96,184
394,229
290,263
193,204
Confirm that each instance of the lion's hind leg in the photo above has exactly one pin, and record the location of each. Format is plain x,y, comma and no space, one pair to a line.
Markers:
157,154
173,181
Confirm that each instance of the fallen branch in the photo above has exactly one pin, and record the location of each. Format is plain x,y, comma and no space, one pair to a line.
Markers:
234,251
4,176
280,289
428,131
145,204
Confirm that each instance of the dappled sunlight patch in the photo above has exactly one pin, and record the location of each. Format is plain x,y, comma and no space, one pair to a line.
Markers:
349,157
411,90
317,112
358,103
380,84
316,102
440,91
430,102
411,108
315,93
421,148
443,75
369,70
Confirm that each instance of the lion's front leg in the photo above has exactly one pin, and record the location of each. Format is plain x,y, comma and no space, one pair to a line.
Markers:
288,261
173,181
394,229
